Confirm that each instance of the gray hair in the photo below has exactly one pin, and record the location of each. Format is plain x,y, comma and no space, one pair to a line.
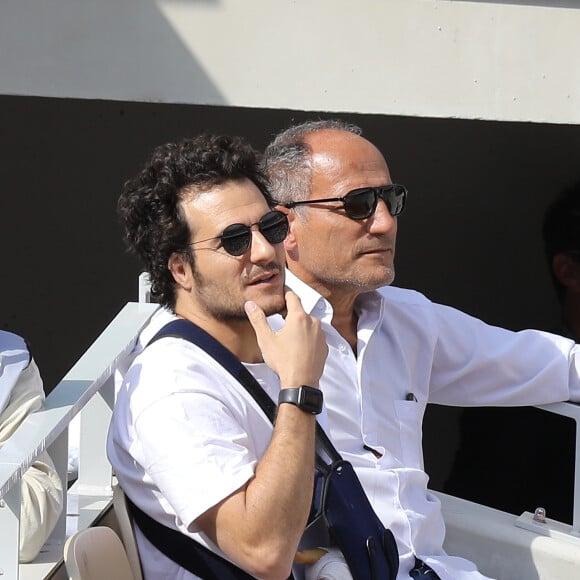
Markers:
288,159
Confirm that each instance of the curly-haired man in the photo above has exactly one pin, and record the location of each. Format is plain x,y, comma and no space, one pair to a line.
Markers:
190,447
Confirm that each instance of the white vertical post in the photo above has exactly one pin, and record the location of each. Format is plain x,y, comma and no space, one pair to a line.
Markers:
576,503
10,526
95,471
58,452
572,410
144,287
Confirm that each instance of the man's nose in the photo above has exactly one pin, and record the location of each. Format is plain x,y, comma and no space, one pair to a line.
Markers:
261,249
382,221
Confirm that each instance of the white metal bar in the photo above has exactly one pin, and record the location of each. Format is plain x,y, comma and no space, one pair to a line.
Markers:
571,410
501,550
59,454
85,378
95,471
10,526
144,287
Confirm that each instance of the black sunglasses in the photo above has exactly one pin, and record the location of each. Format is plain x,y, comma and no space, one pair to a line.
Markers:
236,239
360,204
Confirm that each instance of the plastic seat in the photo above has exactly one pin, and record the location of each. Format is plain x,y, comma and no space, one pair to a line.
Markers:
127,531
96,553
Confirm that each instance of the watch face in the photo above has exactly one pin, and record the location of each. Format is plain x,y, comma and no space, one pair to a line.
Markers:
311,399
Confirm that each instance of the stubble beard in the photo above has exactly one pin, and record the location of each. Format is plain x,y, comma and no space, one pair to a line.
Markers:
359,284
224,307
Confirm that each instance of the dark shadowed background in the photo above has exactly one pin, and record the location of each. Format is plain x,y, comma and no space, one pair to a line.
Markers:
470,236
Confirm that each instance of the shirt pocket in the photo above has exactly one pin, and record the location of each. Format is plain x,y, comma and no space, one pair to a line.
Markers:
410,418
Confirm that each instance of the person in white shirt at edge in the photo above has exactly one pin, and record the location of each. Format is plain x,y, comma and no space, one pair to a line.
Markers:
22,393
391,350
189,445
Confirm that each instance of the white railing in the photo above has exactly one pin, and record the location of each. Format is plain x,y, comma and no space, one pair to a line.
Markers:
527,520
505,546
88,389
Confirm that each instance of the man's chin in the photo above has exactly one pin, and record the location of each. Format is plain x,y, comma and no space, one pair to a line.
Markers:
272,305
382,277
270,300
375,283
388,278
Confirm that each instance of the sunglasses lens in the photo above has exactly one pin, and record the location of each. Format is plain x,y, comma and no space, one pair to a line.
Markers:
360,204
274,227
394,196
236,239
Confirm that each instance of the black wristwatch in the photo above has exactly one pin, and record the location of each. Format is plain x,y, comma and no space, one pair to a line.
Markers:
304,397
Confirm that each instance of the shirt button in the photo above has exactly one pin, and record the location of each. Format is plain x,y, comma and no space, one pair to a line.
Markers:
341,347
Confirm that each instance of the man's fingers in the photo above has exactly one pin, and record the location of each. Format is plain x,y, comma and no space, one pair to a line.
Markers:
257,319
292,302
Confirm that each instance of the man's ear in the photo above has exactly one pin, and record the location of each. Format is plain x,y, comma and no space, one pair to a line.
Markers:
290,243
567,272
180,269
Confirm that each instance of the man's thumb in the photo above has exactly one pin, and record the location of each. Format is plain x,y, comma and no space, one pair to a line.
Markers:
257,318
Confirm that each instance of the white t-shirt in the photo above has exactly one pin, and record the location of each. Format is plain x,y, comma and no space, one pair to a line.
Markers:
184,435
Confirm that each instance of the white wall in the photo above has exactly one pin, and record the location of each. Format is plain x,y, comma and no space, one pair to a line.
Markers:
516,61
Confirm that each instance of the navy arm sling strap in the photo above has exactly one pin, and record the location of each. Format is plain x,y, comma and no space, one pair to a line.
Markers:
341,514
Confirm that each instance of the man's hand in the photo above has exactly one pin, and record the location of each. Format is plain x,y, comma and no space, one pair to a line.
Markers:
297,352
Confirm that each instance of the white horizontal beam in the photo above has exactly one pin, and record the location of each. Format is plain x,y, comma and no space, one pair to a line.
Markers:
513,61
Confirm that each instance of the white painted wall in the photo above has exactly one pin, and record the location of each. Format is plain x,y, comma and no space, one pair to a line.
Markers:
516,61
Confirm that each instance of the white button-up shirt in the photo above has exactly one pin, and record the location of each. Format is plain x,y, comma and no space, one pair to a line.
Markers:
411,351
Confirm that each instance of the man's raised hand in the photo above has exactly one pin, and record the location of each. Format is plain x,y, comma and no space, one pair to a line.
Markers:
297,352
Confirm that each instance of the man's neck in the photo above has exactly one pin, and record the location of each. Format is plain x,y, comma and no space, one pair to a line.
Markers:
346,325
344,317
237,335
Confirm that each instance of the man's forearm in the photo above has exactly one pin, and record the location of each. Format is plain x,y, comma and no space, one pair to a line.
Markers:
261,528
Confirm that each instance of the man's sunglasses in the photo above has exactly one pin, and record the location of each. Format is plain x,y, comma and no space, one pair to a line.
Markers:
360,204
236,239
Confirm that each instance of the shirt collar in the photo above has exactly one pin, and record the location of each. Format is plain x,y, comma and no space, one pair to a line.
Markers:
313,303
311,300
372,301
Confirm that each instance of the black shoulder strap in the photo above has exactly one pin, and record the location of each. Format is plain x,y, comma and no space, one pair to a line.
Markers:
190,331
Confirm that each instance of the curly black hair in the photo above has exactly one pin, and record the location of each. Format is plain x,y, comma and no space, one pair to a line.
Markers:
149,206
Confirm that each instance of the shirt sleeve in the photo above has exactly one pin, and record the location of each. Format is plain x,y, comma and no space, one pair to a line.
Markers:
478,364
42,490
194,442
